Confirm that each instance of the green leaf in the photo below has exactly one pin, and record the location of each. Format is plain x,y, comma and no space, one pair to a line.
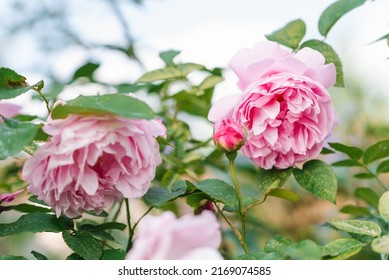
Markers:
35,222
346,163
367,195
385,37
284,194
334,12
28,208
381,244
364,175
111,225
117,104
168,56
352,152
83,244
14,136
357,227
192,104
74,257
317,178
210,82
383,206
304,250
289,35
126,88
341,249
87,70
166,73
34,199
277,244
219,190
186,68
38,255
12,258
355,210
376,151
103,214
157,196
330,57
113,254
96,232
272,178
326,151
261,256
383,167
12,84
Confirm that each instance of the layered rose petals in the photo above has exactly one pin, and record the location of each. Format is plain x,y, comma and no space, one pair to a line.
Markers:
285,106
165,237
90,162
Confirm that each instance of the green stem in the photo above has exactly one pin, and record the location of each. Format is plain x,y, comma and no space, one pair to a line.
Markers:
135,225
130,229
44,99
242,211
375,176
234,229
256,204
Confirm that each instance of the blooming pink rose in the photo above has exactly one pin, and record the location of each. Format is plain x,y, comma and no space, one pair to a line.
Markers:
167,238
285,105
229,136
8,110
90,162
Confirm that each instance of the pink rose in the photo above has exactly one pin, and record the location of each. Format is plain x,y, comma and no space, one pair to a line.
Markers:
285,105
229,136
91,162
167,238
8,110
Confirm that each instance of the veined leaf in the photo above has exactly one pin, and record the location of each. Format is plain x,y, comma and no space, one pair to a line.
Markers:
317,178
14,136
116,104
376,151
334,12
289,35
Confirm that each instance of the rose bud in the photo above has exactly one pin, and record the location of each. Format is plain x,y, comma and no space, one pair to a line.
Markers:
229,136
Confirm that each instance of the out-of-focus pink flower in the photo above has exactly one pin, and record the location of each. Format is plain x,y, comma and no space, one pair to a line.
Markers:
285,106
167,238
229,136
8,110
91,162
8,197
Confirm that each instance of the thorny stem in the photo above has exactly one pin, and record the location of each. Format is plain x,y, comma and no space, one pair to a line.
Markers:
242,211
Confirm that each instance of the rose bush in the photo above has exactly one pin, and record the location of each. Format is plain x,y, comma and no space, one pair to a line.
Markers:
165,237
90,162
285,105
